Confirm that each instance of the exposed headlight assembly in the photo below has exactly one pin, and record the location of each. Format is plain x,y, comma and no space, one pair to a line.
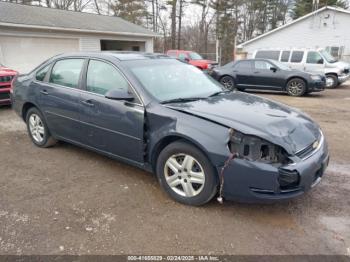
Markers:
256,149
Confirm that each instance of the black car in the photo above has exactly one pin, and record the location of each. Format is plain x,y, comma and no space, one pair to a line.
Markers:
266,74
170,118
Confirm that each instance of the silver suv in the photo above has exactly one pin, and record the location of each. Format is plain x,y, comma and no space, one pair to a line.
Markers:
310,60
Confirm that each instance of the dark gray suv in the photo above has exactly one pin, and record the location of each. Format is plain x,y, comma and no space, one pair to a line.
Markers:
172,119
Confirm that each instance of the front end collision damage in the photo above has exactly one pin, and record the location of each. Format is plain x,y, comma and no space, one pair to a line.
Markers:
262,170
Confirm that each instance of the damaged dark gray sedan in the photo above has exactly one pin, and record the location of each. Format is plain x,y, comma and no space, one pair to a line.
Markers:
170,118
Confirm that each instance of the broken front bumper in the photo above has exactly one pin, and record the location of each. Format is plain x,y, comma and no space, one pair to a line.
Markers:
248,181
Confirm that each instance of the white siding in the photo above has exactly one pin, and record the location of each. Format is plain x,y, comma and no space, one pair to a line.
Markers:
89,44
324,29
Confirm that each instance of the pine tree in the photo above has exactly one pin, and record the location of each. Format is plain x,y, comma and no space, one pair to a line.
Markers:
133,11
303,7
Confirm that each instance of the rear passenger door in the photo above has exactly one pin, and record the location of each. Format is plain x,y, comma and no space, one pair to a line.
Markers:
60,98
242,73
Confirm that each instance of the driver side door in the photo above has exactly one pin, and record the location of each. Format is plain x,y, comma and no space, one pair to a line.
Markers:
111,126
265,78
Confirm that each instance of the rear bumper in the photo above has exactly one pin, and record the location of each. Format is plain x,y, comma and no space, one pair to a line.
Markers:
254,182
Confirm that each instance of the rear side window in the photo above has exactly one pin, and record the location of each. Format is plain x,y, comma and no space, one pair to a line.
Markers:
268,54
262,65
40,75
314,58
285,56
297,56
67,72
243,65
102,77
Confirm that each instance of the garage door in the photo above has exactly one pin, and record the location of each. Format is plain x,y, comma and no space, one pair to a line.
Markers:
25,53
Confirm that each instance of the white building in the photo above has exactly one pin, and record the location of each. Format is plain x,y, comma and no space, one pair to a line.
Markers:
328,27
29,34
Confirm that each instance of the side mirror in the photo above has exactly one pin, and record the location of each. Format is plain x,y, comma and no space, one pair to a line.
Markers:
116,94
320,61
187,59
273,69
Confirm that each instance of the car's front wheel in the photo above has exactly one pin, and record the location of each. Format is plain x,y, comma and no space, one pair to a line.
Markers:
186,174
331,81
296,87
37,129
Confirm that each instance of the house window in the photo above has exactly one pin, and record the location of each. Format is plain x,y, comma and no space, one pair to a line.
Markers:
135,48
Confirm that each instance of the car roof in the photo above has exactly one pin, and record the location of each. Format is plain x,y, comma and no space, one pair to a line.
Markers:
120,55
259,59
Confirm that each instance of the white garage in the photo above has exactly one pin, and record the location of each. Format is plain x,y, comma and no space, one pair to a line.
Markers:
29,35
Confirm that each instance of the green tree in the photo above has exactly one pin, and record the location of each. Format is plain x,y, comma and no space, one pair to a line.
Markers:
133,11
303,7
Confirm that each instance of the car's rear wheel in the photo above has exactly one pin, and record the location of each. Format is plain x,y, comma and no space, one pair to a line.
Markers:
331,81
296,87
37,129
228,82
186,174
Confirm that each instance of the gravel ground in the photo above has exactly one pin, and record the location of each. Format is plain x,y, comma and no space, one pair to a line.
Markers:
67,200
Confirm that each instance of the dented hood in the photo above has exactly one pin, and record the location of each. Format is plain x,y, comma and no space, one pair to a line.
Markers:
253,115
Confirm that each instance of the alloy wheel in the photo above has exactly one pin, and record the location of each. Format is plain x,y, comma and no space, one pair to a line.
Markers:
295,87
36,128
329,81
228,83
184,175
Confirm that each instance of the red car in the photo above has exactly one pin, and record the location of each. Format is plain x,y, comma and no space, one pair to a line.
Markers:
192,58
6,76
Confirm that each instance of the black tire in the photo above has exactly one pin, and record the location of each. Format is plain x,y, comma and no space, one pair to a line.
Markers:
46,140
205,191
228,83
296,87
331,81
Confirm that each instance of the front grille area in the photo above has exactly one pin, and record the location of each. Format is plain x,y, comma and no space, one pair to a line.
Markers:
288,179
4,96
6,79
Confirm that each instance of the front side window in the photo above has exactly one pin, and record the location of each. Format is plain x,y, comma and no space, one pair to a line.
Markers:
262,65
314,58
182,57
102,77
297,56
195,56
67,72
40,75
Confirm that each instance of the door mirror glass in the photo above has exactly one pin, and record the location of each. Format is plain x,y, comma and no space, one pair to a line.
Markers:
117,94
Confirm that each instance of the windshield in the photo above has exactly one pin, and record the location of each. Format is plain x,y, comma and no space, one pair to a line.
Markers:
328,56
195,56
171,79
281,65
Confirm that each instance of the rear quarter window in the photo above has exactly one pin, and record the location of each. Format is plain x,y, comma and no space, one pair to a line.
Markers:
270,54
297,56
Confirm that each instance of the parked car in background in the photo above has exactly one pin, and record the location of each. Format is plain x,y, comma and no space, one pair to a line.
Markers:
192,58
171,118
310,60
266,74
6,76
